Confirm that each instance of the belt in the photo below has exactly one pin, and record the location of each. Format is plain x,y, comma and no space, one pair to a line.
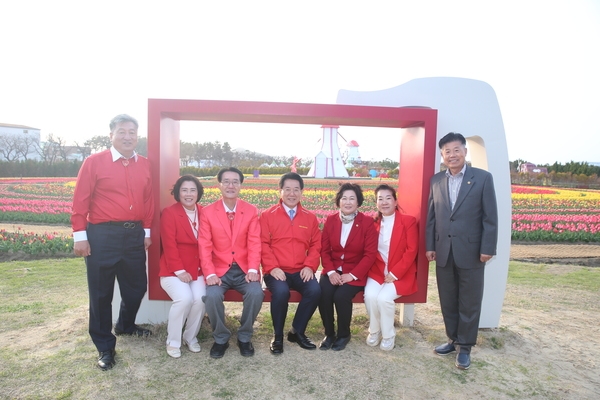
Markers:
124,224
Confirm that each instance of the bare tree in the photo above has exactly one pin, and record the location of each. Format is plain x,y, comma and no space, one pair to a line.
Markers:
10,147
29,144
98,143
49,150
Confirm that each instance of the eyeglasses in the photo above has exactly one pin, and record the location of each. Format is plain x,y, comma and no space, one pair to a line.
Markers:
230,183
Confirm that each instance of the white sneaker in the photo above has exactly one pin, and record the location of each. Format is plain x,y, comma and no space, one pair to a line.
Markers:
174,352
388,344
373,339
193,347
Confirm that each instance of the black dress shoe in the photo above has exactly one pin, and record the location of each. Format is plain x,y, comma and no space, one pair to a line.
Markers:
327,342
340,343
218,350
302,340
137,331
246,348
463,361
445,349
277,344
106,359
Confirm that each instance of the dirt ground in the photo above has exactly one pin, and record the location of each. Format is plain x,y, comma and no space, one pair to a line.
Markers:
547,346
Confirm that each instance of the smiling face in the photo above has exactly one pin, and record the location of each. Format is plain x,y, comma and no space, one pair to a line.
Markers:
454,155
124,138
291,194
188,195
348,202
386,204
230,185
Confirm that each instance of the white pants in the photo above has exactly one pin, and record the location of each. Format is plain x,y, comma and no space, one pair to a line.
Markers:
187,305
379,301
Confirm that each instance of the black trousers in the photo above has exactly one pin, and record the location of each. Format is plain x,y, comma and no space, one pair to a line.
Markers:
116,252
341,296
461,293
280,296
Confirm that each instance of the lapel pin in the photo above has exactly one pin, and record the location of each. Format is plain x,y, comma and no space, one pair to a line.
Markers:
468,182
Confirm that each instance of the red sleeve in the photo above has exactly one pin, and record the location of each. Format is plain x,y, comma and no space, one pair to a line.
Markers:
268,259
254,242
148,201
168,233
82,196
370,238
313,257
326,251
205,245
400,268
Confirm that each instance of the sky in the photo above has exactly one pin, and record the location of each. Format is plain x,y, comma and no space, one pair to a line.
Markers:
68,67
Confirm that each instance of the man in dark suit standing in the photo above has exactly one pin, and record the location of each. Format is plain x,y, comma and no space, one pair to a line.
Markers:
113,209
462,232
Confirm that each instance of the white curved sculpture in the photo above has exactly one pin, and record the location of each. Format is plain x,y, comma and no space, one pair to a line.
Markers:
469,107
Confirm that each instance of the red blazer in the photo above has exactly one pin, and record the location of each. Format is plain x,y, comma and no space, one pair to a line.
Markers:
178,245
402,259
360,251
219,247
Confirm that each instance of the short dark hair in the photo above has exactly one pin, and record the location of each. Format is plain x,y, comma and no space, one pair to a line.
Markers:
230,169
293,176
119,119
350,186
187,178
452,137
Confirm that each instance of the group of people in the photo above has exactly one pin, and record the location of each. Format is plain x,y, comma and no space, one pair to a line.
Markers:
206,251
233,244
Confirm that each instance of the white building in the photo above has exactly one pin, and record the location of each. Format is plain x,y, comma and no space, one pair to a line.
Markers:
18,142
328,162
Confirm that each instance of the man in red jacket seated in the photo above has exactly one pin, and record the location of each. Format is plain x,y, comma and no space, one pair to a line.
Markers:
291,247
229,244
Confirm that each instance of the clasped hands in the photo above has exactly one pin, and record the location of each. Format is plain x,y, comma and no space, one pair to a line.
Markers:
306,274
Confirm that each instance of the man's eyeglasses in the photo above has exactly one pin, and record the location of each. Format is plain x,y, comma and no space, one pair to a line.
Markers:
230,183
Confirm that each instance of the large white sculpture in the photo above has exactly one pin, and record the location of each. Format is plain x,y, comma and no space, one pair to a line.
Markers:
328,162
469,107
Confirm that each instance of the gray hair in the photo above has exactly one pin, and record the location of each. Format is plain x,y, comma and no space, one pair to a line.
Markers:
121,118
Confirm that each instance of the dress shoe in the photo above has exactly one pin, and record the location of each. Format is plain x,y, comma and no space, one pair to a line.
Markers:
327,342
193,347
246,348
340,343
445,349
463,361
388,344
373,339
174,352
218,350
106,359
137,331
276,346
302,340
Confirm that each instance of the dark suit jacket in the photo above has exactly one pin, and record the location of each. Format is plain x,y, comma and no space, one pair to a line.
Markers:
219,247
360,250
179,246
402,257
471,228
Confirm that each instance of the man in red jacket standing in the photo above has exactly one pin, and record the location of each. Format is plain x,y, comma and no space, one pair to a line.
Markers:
291,247
113,209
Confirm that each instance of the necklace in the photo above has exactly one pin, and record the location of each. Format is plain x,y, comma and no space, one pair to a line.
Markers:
193,221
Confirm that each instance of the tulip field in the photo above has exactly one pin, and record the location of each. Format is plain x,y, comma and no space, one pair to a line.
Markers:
539,214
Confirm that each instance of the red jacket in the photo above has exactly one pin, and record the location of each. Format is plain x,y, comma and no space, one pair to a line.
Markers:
289,244
402,258
360,251
178,245
219,247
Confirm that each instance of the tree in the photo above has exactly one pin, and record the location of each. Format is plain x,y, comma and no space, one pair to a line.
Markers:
98,143
10,147
142,146
52,149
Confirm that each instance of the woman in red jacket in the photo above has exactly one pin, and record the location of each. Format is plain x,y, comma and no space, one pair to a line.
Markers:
394,272
349,248
180,274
